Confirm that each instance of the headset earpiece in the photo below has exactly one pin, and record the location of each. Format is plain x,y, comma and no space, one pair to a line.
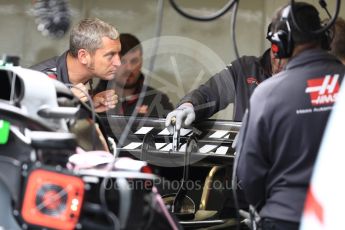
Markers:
282,44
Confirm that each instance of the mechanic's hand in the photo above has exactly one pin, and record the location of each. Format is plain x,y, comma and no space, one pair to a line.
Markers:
247,221
184,115
80,91
105,100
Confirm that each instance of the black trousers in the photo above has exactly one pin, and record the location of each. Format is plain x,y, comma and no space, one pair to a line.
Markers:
275,224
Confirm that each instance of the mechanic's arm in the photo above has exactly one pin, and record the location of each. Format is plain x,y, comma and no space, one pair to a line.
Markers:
213,96
252,153
201,103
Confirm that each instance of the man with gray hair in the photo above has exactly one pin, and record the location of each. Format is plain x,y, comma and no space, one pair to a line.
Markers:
93,53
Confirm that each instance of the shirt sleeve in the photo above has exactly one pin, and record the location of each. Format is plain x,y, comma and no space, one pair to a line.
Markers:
214,95
252,151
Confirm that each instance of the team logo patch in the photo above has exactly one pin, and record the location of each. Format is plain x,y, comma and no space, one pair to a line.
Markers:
252,81
323,91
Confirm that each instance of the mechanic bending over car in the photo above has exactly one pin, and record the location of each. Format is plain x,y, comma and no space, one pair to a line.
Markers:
235,84
93,53
282,131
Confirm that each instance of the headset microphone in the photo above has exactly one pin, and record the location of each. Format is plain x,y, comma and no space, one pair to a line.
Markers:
52,17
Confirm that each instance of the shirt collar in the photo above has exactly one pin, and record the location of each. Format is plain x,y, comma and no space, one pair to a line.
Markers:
61,70
310,55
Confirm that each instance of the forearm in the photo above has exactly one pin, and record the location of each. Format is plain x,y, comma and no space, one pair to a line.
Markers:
203,108
216,94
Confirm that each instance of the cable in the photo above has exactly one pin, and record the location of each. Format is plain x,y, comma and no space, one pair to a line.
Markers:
233,36
211,17
151,216
246,118
93,113
159,201
160,7
234,172
234,40
234,181
191,146
110,215
323,4
233,28
140,100
323,28
234,186
125,200
131,120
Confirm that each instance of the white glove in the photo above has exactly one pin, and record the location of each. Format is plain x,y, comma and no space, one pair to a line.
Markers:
184,115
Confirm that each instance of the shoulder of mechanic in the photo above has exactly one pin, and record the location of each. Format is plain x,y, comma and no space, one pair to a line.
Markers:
56,66
45,66
246,61
245,66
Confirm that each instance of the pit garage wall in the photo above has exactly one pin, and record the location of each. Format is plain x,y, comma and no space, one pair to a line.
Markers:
19,35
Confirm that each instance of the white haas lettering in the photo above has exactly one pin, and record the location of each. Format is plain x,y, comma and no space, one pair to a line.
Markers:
325,99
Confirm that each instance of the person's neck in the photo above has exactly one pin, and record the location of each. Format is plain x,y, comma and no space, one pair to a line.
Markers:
77,72
300,48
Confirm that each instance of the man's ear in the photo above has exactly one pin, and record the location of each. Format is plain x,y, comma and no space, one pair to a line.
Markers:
83,56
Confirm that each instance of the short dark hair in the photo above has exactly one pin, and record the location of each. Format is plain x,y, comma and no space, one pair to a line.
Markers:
338,42
129,42
307,18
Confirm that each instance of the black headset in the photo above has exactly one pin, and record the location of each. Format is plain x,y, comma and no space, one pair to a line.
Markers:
282,42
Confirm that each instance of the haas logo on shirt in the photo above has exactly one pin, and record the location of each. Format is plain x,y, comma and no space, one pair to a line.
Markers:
323,90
